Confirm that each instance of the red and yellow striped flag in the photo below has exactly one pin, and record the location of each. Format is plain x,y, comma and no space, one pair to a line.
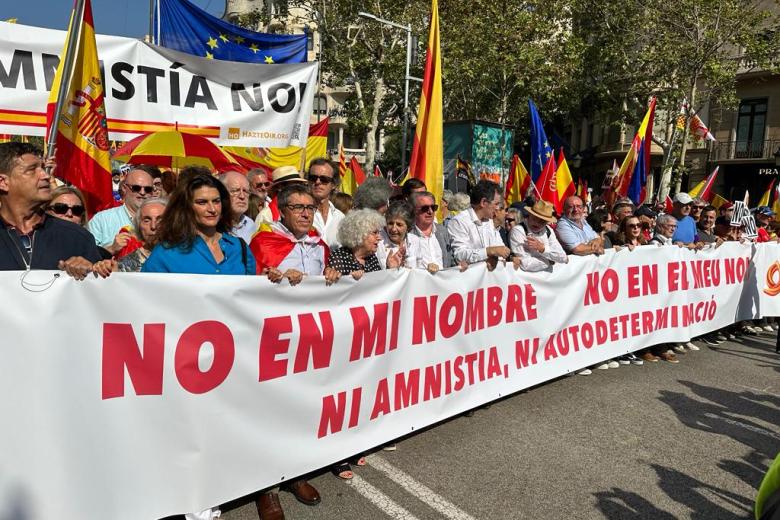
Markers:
427,162
518,182
82,145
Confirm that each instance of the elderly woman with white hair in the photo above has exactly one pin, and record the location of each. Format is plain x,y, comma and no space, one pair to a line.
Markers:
399,219
360,234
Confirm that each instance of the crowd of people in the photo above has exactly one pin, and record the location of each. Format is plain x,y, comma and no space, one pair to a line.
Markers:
287,226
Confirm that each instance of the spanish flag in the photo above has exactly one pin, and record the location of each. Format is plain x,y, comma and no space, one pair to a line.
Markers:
632,177
518,183
427,162
766,199
704,188
81,136
563,179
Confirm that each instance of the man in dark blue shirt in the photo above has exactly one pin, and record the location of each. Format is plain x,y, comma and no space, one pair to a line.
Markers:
29,239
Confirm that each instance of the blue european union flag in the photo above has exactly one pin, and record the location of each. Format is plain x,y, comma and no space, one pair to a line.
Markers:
184,27
540,146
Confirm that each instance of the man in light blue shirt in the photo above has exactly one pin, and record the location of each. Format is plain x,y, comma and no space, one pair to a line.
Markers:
105,225
574,233
686,226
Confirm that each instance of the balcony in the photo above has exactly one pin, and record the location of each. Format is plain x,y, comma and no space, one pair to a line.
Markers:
744,150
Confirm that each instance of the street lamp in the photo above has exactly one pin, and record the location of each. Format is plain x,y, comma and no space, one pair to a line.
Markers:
407,78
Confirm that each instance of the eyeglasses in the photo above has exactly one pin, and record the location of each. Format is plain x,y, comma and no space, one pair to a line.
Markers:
60,208
324,179
300,208
135,188
426,209
262,185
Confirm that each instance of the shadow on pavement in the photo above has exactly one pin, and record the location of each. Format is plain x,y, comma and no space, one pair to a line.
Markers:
696,495
626,505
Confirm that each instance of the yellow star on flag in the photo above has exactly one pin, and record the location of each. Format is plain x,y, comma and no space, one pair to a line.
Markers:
269,59
239,39
223,38
547,154
254,48
212,43
209,56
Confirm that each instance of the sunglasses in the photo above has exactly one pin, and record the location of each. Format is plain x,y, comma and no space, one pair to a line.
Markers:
135,188
509,220
426,209
324,179
633,226
60,208
262,185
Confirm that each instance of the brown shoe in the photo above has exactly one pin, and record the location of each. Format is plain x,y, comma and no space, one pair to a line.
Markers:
304,492
669,356
649,357
269,507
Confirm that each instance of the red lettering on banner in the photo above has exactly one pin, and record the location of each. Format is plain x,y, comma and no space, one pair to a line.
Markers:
424,319
635,331
407,389
549,349
601,332
735,269
573,331
494,365
432,382
470,359
642,280
370,339
457,371
523,352
334,409
121,350
647,322
475,311
606,285
314,343
381,400
188,350
562,342
450,327
494,295
661,318
272,345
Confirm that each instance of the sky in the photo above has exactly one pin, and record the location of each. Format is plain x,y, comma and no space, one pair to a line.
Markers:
117,17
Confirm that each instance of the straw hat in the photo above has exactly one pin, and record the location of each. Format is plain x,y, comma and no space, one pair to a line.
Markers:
543,210
284,174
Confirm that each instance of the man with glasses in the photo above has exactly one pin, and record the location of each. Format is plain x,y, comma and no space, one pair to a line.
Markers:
30,239
107,224
474,235
686,226
239,190
327,218
574,233
698,204
435,241
259,184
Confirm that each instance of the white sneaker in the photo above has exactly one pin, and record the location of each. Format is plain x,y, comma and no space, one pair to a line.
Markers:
602,366
613,364
691,346
679,348
635,360
624,360
721,338
768,328
584,372
730,336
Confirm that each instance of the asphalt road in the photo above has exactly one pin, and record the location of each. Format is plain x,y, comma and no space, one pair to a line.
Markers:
659,441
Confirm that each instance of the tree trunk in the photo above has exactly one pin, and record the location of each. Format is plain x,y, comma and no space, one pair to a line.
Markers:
684,144
373,126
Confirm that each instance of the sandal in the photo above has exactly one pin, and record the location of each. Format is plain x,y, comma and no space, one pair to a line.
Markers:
343,471
358,460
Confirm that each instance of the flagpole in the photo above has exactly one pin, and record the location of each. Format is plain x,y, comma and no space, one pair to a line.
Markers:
151,22
67,74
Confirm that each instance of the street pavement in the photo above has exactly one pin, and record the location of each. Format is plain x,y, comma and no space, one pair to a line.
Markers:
658,441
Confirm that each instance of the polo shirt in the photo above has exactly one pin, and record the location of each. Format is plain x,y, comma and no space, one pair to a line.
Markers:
686,230
199,260
106,224
571,235
53,239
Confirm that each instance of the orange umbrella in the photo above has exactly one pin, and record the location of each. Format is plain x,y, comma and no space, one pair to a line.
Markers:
174,149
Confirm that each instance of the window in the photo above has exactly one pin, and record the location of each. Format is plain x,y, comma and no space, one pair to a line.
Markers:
320,105
751,123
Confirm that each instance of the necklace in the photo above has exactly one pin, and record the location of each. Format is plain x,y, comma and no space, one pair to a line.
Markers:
29,249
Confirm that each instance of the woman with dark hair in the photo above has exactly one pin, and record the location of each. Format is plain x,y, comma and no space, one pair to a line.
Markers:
399,219
629,233
193,235
601,221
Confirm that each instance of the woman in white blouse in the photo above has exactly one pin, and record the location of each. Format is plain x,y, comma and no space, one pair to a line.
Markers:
398,220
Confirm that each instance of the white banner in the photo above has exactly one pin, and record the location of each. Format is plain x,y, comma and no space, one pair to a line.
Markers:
146,395
151,88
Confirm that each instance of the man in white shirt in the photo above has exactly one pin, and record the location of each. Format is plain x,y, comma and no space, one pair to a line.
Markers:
533,243
474,236
327,217
238,187
435,241
259,184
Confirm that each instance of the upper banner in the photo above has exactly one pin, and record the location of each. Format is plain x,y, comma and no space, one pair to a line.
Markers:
123,404
151,88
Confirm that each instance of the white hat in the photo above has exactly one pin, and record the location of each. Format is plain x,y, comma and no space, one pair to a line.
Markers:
683,198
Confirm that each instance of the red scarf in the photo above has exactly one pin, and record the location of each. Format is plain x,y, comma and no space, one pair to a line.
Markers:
272,243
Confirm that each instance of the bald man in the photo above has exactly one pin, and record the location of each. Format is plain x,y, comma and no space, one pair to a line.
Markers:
238,186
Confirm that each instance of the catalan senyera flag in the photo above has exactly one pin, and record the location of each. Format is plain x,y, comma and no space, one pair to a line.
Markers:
82,145
563,179
547,185
518,182
427,162
5,138
632,177
272,158
703,190
776,203
766,198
